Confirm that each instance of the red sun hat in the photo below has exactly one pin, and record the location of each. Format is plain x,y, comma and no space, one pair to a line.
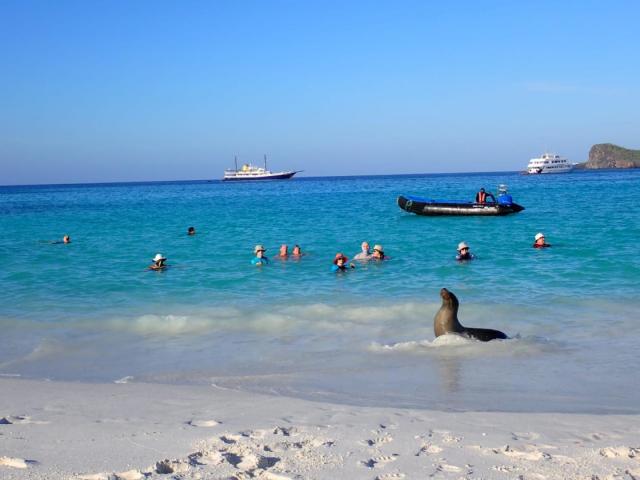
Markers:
339,256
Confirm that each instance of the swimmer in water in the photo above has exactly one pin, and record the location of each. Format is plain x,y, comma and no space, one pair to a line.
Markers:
378,253
260,258
296,252
464,253
539,241
365,254
284,252
158,262
340,263
65,239
191,231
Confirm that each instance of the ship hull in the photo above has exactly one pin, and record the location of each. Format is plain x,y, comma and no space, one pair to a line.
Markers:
254,178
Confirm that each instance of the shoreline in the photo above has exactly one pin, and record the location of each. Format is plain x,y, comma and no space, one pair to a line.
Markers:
133,431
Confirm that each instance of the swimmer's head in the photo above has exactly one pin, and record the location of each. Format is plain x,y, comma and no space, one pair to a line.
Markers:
340,259
159,259
66,239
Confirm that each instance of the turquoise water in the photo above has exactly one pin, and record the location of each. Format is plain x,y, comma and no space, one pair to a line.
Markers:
90,311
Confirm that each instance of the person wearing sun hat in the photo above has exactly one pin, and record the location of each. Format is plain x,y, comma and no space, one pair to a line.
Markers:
340,263
158,262
539,241
378,253
260,258
464,253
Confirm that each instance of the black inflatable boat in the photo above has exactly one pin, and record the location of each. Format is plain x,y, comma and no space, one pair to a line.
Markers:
429,207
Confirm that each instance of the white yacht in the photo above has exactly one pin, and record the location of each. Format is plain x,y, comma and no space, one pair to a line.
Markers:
549,163
253,172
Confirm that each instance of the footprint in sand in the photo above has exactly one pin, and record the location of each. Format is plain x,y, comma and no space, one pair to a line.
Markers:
13,462
285,431
613,452
429,449
203,423
449,438
250,461
504,468
381,461
443,467
254,434
171,466
634,473
230,438
206,458
529,436
379,440
527,452
390,476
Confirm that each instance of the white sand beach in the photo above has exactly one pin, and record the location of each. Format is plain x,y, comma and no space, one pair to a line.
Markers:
132,431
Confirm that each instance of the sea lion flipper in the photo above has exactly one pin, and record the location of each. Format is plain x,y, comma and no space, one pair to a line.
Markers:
485,334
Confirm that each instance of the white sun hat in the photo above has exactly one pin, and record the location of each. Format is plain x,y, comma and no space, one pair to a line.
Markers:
462,245
158,257
259,248
539,235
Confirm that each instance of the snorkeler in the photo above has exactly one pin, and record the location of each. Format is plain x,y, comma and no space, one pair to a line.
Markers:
158,262
464,253
260,258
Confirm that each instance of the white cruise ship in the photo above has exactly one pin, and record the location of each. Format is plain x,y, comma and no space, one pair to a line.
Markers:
549,163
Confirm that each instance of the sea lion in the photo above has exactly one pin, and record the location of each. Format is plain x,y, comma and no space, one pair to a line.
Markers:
446,321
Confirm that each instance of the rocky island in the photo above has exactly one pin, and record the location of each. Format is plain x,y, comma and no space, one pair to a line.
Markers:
607,155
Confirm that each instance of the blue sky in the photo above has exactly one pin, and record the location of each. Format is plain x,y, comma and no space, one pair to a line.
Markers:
94,91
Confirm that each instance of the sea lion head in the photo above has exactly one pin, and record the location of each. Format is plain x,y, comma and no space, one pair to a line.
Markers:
449,299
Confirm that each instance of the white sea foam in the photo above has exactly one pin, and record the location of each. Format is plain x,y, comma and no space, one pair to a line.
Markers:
123,380
457,345
313,317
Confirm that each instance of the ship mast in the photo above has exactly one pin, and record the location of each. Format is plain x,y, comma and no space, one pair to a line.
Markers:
235,159
265,162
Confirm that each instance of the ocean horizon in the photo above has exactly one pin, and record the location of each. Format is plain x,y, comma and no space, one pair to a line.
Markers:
295,178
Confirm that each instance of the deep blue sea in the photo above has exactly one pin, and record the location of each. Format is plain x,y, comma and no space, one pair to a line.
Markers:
91,311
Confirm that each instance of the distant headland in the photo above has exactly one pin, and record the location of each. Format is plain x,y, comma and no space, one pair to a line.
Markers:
607,155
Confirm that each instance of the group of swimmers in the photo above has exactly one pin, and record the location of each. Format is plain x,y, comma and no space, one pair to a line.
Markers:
261,259
340,261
